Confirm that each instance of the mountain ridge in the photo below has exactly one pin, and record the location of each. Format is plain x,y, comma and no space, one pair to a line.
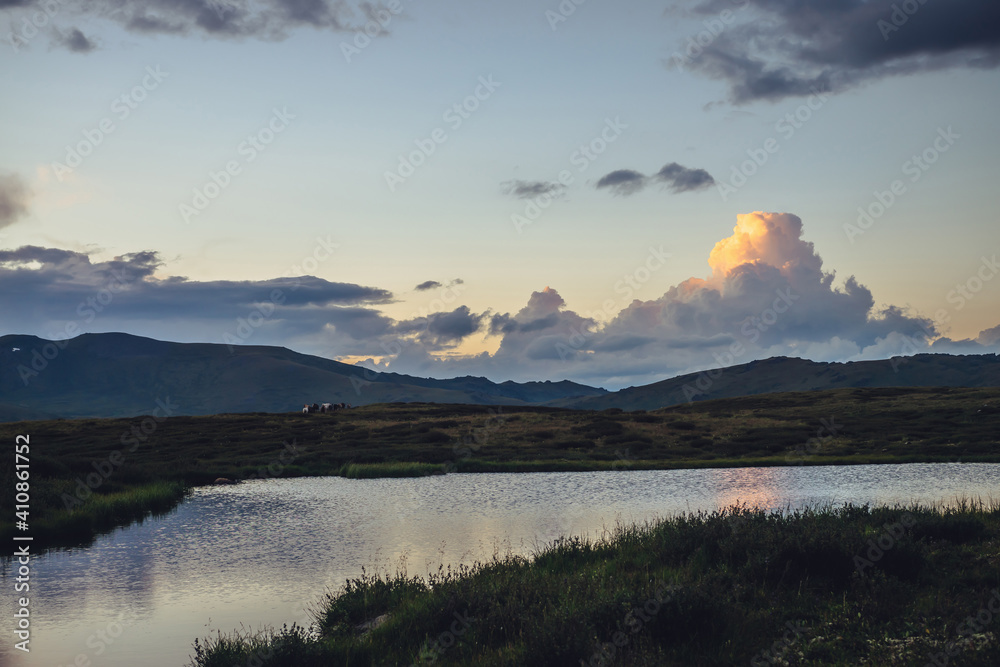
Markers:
781,374
122,375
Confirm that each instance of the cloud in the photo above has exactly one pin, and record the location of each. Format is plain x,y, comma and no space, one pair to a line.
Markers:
14,197
988,340
76,41
532,189
781,49
766,294
623,182
443,330
682,179
220,19
58,293
989,336
434,284
675,177
52,290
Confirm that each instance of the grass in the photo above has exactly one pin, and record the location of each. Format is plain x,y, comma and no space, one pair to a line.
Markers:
59,518
834,427
719,588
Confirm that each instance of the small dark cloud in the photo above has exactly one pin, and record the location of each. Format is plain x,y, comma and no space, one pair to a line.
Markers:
14,195
682,179
677,178
532,189
76,41
434,284
442,330
623,182
502,324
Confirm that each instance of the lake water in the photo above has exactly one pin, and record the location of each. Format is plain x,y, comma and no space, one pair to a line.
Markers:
264,552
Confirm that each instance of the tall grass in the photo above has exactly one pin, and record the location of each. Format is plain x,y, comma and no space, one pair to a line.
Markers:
100,513
705,589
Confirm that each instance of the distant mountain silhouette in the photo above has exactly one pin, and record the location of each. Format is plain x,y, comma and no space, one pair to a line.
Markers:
780,374
120,375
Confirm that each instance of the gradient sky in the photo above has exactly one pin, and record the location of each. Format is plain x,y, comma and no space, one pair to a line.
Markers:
833,99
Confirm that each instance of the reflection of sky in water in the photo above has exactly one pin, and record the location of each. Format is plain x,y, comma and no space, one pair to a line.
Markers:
259,552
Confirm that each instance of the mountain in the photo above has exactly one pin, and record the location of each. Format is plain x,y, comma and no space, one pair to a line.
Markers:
120,375
780,374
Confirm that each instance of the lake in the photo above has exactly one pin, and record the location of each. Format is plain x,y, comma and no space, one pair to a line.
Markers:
263,552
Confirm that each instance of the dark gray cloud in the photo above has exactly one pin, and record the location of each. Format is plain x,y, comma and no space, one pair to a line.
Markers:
434,284
623,182
14,195
532,189
261,19
682,179
675,177
76,41
783,48
58,293
501,323
443,330
50,287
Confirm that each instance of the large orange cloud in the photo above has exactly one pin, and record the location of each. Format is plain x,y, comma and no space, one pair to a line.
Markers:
768,238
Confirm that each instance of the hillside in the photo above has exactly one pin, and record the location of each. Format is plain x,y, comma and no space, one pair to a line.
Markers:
782,374
120,375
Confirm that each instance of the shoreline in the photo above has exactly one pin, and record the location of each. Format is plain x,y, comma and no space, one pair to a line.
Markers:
834,586
79,462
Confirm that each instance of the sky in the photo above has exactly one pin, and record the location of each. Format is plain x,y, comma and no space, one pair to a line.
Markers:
609,192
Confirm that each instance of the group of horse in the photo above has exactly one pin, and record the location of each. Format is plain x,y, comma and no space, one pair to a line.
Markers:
324,407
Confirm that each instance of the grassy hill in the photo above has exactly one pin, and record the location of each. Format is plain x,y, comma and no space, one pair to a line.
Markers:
782,374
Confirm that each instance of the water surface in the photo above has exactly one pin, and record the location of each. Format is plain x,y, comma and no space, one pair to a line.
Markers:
263,552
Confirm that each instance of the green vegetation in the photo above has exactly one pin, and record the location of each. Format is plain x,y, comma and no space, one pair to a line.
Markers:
845,586
841,426
54,520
